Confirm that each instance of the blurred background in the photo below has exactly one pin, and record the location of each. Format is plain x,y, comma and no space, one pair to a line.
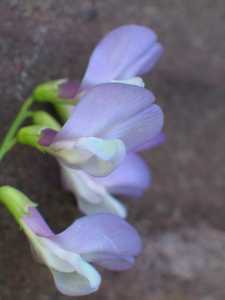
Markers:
182,217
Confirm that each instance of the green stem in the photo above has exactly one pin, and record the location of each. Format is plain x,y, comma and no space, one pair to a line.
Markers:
9,140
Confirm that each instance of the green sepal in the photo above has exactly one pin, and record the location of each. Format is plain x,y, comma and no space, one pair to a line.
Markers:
16,202
30,135
62,110
48,91
43,118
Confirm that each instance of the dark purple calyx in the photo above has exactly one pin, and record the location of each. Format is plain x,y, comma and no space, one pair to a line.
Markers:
47,137
69,89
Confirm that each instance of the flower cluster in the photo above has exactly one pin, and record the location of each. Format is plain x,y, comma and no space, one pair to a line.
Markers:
108,118
115,118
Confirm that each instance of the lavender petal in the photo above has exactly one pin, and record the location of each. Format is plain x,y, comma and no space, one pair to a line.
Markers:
101,236
125,52
104,106
131,178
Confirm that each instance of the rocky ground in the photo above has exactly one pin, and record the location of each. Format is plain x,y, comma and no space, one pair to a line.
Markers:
182,217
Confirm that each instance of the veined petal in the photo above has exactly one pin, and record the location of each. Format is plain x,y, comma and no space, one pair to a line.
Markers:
94,155
152,143
103,107
140,128
132,177
123,53
145,63
99,236
92,198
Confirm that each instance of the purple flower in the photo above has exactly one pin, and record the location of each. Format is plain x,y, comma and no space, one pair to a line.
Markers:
94,194
102,239
110,121
107,123
122,55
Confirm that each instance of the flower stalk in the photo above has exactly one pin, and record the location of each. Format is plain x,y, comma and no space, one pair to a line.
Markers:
10,140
